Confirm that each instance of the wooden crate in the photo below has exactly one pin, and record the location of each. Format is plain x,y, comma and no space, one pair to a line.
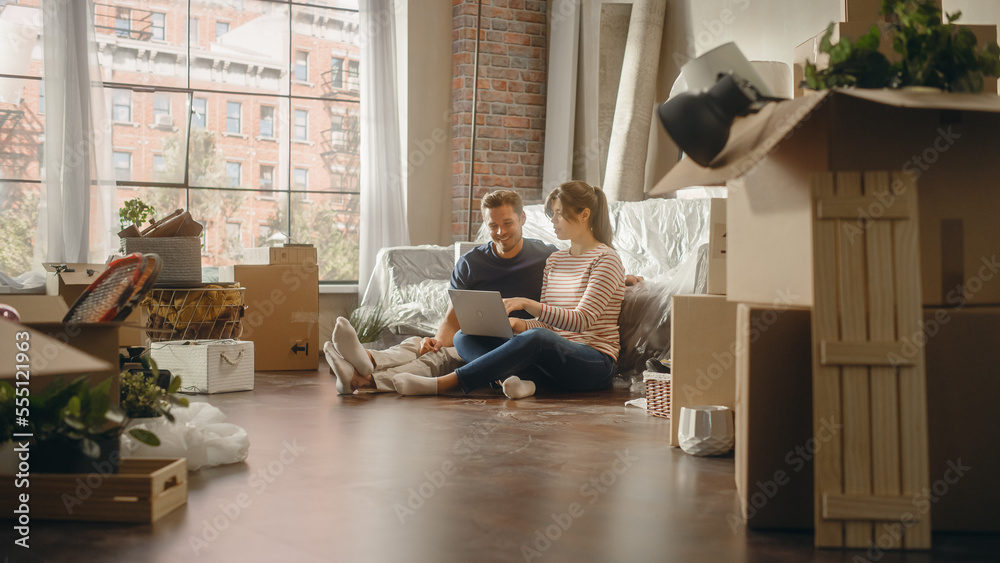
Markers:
144,490
866,305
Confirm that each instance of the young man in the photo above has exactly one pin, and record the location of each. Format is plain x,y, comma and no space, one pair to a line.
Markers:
509,264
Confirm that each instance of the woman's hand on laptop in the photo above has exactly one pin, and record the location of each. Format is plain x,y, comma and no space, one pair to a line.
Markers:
534,308
429,344
517,325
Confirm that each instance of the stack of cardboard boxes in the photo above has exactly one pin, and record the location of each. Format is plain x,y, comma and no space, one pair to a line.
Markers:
754,351
282,300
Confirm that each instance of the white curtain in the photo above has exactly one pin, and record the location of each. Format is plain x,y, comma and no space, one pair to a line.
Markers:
75,222
383,201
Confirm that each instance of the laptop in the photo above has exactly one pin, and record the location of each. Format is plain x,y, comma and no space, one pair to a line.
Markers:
481,313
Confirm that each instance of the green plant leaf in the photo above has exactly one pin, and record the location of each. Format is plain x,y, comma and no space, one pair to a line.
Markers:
175,385
145,436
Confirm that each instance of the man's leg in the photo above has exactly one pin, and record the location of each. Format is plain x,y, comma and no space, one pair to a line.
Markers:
431,364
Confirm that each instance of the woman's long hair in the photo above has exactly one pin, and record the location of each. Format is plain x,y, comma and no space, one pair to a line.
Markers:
576,196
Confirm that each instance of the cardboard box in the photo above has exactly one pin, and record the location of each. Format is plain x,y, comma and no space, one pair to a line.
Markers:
948,141
702,347
962,386
282,316
774,446
58,348
288,254
70,286
716,284
857,27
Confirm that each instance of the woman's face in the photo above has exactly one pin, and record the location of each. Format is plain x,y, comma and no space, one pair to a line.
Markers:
568,228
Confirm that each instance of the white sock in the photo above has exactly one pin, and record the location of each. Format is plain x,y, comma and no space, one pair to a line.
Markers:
515,388
341,368
409,384
345,340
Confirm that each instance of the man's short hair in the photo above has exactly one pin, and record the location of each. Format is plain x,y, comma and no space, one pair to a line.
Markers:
500,198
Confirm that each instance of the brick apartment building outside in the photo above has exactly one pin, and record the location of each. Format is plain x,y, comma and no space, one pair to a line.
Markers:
274,122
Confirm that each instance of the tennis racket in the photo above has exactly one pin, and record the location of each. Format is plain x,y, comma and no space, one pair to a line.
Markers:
151,264
104,299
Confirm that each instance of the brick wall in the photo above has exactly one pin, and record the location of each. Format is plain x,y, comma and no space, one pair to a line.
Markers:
510,120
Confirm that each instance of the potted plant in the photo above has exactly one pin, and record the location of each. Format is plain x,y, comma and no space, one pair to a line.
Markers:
369,322
132,215
931,53
76,429
143,397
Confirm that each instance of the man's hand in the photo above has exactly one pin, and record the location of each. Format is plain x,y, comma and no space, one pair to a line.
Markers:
429,344
632,280
517,325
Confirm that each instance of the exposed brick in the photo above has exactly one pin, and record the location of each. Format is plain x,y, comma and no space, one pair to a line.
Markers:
515,4
532,170
512,121
534,29
492,132
499,145
518,146
498,13
499,25
516,39
498,109
526,182
482,168
517,27
532,87
532,76
500,61
504,157
529,99
537,148
496,36
537,123
494,120
524,135
531,17
522,51
538,41
519,62
536,64
533,111
493,48
495,181
531,158
500,169
534,6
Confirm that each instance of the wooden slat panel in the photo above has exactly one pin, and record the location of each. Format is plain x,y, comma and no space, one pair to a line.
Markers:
826,380
866,207
884,391
867,353
868,507
854,327
912,380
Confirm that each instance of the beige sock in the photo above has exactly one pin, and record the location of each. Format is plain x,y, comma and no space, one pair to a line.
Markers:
515,388
409,384
341,368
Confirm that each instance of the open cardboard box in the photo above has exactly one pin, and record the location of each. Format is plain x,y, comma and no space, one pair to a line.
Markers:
949,142
70,285
49,358
44,314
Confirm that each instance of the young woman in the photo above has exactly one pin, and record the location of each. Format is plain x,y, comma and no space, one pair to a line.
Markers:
571,344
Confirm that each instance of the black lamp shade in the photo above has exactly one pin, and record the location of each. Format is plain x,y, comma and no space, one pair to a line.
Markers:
699,122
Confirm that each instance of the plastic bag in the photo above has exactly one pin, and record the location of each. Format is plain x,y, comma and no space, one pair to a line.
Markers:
199,434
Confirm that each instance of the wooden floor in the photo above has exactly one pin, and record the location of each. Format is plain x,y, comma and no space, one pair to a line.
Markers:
450,479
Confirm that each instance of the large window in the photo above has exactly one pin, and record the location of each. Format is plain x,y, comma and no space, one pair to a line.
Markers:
262,149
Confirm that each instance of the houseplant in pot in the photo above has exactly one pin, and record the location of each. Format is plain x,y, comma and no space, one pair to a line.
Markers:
76,429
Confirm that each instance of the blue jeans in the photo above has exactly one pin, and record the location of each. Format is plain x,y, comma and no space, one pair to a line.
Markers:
538,355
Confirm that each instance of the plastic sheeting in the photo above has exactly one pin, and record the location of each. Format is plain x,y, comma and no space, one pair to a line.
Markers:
658,239
198,434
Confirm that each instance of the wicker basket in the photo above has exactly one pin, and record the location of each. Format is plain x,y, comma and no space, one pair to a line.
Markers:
657,393
210,313
181,257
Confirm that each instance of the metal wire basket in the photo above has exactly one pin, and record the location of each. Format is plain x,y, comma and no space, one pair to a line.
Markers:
212,312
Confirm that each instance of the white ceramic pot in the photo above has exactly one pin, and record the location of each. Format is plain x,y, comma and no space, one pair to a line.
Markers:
706,430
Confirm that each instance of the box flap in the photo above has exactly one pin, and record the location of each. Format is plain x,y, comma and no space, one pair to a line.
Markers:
37,308
753,137
67,360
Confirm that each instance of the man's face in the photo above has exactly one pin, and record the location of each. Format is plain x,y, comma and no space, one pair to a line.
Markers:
505,228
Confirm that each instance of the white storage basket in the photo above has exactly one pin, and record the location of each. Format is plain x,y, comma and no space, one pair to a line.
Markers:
207,366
